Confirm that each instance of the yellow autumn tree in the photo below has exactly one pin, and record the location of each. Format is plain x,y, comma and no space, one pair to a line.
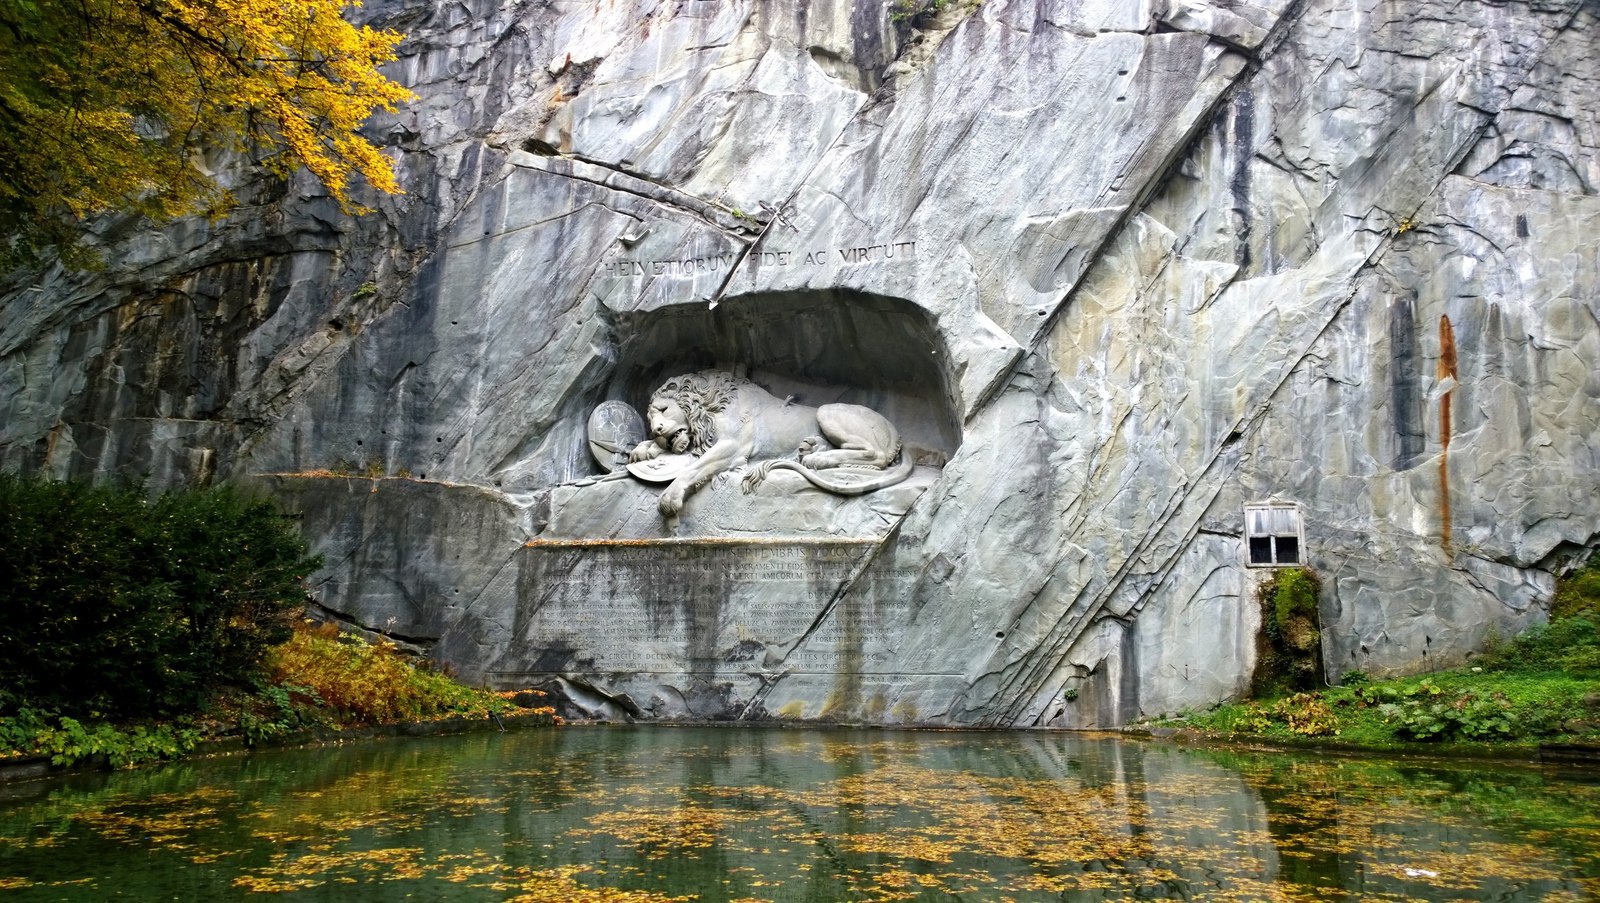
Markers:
109,105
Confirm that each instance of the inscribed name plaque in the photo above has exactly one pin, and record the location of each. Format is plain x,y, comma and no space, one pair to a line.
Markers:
700,628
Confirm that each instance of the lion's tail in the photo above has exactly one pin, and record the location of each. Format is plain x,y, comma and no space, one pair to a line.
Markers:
819,479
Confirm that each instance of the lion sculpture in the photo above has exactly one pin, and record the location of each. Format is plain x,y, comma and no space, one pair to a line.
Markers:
725,422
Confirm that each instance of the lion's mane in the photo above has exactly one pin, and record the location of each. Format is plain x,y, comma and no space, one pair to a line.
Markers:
700,396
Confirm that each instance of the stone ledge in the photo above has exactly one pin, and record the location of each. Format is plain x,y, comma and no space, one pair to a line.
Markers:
1570,753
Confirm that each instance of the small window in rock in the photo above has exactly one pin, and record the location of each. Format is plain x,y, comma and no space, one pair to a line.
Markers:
1272,534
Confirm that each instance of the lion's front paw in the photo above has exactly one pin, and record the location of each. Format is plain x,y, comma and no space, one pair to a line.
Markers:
671,501
647,450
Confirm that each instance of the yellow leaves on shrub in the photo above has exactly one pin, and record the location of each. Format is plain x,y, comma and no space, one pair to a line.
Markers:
1304,714
1307,715
368,683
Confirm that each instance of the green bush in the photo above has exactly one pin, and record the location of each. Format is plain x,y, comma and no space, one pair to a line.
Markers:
1570,645
68,741
1425,711
918,12
114,605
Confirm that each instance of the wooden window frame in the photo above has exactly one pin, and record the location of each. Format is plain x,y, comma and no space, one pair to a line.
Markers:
1274,536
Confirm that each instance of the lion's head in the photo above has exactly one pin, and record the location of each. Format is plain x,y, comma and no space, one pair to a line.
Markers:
681,411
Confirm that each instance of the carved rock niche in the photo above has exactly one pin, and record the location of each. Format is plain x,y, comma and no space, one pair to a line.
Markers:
815,415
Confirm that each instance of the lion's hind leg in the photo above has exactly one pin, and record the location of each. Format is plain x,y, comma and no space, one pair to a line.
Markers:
862,436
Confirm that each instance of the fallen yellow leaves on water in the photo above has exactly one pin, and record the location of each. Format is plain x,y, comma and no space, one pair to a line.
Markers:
311,869
557,885
460,874
872,822
266,885
904,845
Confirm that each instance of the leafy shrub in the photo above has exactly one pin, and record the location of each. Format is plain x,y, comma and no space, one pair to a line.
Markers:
115,605
68,741
916,11
1305,714
1302,714
1354,678
279,709
371,683
1570,645
1424,711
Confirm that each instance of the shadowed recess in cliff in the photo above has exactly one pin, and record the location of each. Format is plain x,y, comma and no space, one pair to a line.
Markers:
817,346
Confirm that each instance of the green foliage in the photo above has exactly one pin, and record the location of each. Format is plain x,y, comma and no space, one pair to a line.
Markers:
1578,593
1541,685
1290,649
1569,645
1425,711
1450,707
372,684
1294,603
278,710
118,606
68,741
917,12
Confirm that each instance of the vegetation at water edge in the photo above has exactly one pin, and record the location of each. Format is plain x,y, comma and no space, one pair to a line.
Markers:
1541,686
136,627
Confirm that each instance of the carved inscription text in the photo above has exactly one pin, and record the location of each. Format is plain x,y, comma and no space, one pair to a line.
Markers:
705,608
882,252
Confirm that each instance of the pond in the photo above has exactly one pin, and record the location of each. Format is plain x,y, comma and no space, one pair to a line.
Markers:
664,813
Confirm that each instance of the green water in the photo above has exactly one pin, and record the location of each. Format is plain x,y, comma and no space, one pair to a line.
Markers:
577,814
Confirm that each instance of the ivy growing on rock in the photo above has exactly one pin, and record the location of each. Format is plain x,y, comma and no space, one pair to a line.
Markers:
1290,646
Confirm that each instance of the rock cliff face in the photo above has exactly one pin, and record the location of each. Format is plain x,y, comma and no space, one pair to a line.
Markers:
1115,269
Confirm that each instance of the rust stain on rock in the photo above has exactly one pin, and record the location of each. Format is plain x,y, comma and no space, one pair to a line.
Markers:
1446,371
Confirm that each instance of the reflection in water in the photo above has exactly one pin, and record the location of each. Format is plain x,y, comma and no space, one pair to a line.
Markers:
754,814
